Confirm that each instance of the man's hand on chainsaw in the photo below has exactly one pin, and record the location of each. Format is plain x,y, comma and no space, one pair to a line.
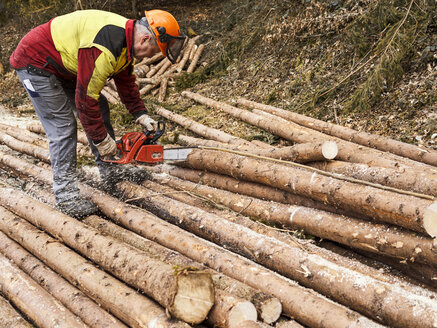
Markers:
148,123
107,148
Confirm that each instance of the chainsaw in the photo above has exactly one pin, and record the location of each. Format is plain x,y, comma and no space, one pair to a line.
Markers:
141,148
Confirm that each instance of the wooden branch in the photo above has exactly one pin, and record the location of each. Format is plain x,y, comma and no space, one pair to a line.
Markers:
428,156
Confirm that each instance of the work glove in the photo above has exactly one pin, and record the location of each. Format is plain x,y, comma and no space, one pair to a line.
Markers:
107,148
148,123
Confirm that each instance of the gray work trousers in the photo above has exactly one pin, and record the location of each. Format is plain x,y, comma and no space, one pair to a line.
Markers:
53,100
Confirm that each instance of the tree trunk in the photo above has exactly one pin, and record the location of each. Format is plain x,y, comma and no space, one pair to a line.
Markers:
385,206
300,153
37,128
419,182
394,305
196,58
73,299
347,151
31,299
201,129
376,238
10,318
124,302
179,293
428,156
296,301
268,307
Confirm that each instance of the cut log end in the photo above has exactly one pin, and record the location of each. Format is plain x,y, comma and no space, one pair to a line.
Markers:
330,149
271,310
430,220
243,311
194,298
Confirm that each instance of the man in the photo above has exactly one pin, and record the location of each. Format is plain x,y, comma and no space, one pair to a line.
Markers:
65,63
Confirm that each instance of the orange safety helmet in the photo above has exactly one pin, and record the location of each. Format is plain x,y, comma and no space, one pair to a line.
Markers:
168,36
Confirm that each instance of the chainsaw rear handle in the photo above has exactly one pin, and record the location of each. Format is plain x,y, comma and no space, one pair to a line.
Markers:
159,132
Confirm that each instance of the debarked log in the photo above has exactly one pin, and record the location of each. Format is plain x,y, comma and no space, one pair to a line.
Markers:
9,317
37,128
187,295
33,300
124,302
386,206
72,298
395,305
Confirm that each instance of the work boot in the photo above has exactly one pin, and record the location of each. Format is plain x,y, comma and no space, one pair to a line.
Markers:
77,207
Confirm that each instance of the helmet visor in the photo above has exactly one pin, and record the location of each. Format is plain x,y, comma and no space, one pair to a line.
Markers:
174,47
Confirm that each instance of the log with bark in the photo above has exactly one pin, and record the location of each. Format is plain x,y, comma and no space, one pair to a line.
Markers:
268,307
296,301
151,60
187,295
201,129
394,304
300,153
109,96
428,156
347,151
196,58
24,147
156,68
419,182
72,298
37,128
163,89
141,70
31,299
126,303
287,323
164,68
9,317
376,238
186,55
381,205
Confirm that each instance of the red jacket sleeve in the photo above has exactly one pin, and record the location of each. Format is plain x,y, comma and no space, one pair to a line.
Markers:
128,91
88,107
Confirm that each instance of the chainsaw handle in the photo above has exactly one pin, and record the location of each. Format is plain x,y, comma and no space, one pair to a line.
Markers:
159,132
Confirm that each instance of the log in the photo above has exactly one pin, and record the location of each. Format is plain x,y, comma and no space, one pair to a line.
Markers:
157,79
419,182
201,129
193,52
141,70
157,67
9,317
248,188
164,68
37,128
31,299
29,149
381,205
268,307
347,151
133,308
394,305
73,299
296,301
110,96
112,85
188,296
148,88
427,156
287,323
151,60
196,58
375,238
163,89
186,55
261,144
300,153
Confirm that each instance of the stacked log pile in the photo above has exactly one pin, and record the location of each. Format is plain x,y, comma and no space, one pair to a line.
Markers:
214,239
154,74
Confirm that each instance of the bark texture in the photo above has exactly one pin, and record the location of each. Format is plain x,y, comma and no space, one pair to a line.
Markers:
10,318
128,305
37,128
428,156
381,205
176,292
73,299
